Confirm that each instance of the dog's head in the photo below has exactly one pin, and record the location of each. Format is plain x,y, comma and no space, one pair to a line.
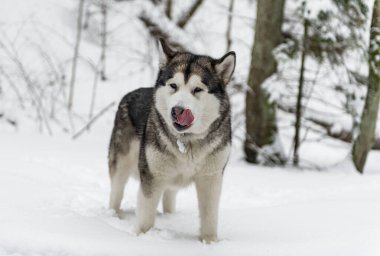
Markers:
190,89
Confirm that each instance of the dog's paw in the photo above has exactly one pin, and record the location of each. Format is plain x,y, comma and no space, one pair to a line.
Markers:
208,239
142,229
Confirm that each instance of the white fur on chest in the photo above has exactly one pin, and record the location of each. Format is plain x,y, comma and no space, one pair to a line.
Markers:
179,169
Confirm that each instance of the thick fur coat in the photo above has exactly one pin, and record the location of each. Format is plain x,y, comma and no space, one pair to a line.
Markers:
174,134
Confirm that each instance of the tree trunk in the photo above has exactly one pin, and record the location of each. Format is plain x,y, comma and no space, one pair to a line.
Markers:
299,96
87,16
76,52
168,9
260,112
104,9
229,25
365,139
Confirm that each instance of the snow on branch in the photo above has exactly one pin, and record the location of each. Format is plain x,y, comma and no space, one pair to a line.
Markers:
160,26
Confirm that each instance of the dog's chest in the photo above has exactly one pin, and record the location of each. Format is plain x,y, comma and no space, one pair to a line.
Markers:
183,170
178,167
184,160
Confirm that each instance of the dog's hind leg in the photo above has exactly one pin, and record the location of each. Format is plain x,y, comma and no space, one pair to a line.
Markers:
119,176
168,200
123,154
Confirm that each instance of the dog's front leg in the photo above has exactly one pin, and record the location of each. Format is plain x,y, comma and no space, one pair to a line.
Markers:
146,210
208,191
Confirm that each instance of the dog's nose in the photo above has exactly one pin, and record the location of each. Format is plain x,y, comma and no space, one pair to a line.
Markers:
177,110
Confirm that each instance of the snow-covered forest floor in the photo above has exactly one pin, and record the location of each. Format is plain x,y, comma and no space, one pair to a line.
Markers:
54,195
54,190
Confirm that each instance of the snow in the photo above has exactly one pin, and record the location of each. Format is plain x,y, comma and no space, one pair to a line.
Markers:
171,29
54,190
54,195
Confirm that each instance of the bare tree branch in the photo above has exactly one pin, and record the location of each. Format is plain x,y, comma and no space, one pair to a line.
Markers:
160,26
88,125
31,86
8,120
182,22
76,53
327,125
157,32
13,86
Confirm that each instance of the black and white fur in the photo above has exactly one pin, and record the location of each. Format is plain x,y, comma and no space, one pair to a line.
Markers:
146,144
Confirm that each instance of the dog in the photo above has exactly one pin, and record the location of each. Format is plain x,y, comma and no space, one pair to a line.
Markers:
174,134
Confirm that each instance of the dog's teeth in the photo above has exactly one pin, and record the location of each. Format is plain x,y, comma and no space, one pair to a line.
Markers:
181,147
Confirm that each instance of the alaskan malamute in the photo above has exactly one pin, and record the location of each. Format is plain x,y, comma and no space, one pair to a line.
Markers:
174,134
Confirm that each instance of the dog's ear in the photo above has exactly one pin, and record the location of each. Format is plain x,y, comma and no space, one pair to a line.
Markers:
225,66
166,53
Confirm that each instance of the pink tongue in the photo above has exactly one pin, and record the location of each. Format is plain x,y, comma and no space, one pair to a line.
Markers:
185,118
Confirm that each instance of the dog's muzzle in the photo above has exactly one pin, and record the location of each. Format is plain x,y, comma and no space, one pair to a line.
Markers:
182,118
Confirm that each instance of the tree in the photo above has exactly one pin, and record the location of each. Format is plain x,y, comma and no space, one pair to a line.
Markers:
229,25
76,54
328,49
104,10
261,129
300,91
365,139
168,9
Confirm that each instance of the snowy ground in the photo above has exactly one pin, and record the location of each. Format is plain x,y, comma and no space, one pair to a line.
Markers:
54,192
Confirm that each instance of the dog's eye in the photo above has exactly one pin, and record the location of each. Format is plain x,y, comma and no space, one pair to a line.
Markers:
174,86
197,89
